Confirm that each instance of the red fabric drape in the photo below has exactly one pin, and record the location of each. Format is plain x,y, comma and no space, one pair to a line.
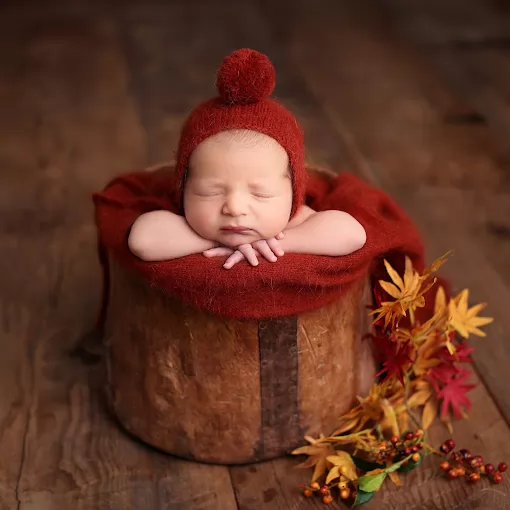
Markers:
295,284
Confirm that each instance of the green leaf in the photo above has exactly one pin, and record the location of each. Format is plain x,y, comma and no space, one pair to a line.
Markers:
363,497
366,465
371,483
397,465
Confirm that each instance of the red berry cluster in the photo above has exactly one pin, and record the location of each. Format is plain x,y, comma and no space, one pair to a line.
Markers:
463,463
325,492
397,448
394,450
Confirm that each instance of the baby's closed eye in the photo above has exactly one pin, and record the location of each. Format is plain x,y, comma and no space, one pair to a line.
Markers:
262,195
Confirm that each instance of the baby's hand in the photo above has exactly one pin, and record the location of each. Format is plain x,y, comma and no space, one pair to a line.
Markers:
268,248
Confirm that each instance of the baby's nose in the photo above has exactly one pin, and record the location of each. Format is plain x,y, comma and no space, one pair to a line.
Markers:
234,205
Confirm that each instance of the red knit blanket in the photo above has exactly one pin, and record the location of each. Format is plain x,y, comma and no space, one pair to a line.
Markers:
295,283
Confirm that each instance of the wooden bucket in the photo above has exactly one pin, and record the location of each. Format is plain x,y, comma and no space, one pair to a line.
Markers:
231,391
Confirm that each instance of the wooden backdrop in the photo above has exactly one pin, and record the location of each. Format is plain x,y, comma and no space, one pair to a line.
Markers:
410,95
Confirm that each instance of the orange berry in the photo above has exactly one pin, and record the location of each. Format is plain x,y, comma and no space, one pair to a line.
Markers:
416,457
307,493
344,494
497,477
419,433
327,500
461,471
394,439
452,473
324,490
445,465
489,469
315,485
474,477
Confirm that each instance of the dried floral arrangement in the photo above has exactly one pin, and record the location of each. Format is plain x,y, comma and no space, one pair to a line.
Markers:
422,378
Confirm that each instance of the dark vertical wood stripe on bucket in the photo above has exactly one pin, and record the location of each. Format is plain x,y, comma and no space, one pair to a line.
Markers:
278,347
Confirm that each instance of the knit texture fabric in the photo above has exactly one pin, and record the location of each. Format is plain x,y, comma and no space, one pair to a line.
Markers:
296,283
245,82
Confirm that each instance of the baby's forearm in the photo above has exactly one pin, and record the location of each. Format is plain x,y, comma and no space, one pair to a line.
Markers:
162,235
332,233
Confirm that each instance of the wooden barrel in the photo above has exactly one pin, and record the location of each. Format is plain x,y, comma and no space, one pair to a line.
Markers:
231,391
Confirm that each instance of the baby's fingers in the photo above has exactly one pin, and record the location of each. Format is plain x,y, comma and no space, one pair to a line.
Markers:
275,246
264,249
250,254
236,257
279,236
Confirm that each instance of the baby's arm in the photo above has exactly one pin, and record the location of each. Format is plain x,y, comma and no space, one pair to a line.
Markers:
163,235
332,233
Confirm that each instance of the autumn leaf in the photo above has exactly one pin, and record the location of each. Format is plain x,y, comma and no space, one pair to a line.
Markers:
440,302
389,420
465,320
427,355
403,419
454,395
396,356
462,354
353,421
407,292
429,413
393,475
389,311
318,454
368,409
343,465
443,372
419,398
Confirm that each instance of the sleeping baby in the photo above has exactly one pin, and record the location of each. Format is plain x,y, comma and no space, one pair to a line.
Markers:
242,180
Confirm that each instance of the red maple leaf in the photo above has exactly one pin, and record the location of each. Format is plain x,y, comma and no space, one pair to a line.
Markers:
447,370
395,356
461,355
444,372
454,394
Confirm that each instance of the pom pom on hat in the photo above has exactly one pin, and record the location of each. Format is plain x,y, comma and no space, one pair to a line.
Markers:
246,76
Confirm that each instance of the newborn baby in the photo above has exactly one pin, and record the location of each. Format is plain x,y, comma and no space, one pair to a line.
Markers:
240,168
237,203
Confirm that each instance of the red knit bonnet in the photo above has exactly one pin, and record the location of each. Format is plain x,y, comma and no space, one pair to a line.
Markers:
245,82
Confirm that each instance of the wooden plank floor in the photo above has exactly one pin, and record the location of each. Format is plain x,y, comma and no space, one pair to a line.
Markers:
89,90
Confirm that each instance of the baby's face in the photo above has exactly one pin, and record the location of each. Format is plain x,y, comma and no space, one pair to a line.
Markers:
238,181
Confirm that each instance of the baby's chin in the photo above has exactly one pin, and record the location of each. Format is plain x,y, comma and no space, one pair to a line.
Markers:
233,239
